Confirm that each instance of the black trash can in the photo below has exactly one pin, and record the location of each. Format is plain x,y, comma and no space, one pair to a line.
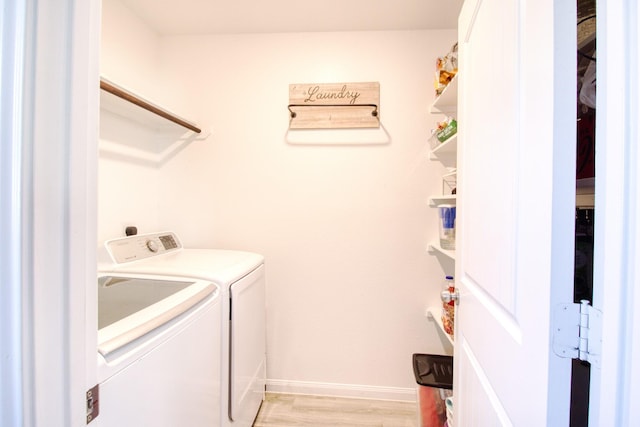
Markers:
434,375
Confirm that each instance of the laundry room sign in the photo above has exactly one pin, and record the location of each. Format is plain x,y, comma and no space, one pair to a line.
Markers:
334,105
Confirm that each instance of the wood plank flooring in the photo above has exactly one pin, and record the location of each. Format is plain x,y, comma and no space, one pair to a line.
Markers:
293,410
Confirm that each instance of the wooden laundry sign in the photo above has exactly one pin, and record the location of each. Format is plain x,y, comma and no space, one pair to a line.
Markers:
334,105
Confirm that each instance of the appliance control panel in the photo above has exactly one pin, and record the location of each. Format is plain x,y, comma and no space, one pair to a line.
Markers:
133,248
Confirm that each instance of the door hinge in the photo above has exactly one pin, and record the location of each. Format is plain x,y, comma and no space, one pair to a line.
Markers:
93,403
577,332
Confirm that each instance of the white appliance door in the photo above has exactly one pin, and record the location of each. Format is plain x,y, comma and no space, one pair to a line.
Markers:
516,170
247,347
174,378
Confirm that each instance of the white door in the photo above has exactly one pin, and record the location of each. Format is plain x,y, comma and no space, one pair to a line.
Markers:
48,127
514,260
615,387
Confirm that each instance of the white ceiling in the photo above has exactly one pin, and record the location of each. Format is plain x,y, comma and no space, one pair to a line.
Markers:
171,17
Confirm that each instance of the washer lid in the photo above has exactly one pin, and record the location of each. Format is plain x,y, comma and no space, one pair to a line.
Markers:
129,307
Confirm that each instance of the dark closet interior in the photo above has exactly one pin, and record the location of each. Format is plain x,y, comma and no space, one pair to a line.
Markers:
585,182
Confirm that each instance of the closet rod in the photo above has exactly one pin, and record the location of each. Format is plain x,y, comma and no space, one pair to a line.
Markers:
127,96
374,113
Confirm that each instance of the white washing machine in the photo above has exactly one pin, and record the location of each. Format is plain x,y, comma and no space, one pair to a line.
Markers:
158,351
240,276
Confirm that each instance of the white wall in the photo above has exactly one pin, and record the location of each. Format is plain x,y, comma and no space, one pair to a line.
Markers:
129,57
343,227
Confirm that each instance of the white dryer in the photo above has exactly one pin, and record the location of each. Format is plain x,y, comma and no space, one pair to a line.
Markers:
240,277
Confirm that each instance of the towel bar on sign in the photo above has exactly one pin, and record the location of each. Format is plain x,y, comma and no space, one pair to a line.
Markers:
374,113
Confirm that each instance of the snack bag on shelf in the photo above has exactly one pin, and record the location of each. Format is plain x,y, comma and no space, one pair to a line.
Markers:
446,69
445,129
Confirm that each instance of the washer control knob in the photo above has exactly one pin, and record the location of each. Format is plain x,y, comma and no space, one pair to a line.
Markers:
152,245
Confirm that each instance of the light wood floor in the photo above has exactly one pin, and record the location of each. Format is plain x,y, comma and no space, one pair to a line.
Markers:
287,410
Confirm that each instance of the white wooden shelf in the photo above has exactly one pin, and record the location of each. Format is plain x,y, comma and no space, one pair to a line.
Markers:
435,201
445,153
122,102
447,148
447,102
140,130
433,313
435,247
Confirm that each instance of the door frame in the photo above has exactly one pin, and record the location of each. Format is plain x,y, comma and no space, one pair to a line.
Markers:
12,58
49,187
616,386
617,383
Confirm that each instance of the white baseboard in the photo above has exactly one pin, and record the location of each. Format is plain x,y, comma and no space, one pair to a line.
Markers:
341,390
